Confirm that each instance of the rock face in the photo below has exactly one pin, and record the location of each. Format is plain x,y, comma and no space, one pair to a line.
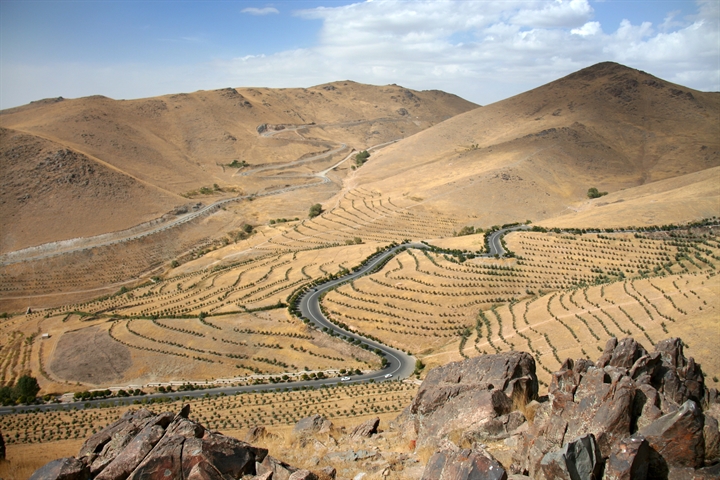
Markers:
463,464
142,445
642,411
62,469
574,461
365,429
471,399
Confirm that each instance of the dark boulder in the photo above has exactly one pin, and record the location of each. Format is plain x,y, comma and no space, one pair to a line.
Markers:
676,439
129,421
279,470
464,464
365,429
577,460
128,460
62,469
628,460
303,475
459,400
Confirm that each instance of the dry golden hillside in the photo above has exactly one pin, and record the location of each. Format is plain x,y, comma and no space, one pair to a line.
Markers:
534,156
161,148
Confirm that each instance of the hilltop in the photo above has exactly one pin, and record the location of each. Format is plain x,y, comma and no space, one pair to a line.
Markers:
535,155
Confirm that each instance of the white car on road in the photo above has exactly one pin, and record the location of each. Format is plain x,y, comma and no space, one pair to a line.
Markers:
345,379
389,375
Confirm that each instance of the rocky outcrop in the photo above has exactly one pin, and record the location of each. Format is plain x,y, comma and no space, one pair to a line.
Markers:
142,445
575,460
633,414
258,434
365,429
311,425
642,410
471,399
463,464
62,469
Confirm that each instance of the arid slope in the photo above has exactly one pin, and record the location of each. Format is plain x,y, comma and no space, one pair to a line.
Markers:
535,155
180,143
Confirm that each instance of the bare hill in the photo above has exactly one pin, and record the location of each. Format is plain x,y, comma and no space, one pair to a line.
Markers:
176,144
50,191
535,155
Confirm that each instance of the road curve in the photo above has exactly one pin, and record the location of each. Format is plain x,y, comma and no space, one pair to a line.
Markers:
399,364
494,240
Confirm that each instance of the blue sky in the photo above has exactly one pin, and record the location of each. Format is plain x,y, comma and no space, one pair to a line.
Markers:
481,50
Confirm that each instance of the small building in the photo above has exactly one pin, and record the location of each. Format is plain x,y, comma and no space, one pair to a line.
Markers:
45,335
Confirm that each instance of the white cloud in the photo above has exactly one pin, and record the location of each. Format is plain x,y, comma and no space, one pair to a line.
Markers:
590,28
560,13
260,11
506,47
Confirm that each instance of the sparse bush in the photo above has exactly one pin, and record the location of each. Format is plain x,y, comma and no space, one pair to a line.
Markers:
315,210
594,193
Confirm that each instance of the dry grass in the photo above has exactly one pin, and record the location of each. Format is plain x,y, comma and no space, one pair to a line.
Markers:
60,433
23,459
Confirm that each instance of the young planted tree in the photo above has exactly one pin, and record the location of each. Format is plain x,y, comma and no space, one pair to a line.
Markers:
315,210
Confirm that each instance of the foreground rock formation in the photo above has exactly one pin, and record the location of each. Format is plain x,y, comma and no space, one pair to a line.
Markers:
633,414
142,445
641,411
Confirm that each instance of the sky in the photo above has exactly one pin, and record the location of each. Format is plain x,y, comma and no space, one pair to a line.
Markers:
482,50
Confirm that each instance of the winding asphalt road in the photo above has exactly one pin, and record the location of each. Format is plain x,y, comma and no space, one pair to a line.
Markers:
399,364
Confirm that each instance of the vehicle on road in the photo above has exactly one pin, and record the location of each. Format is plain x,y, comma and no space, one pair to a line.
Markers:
345,379
389,375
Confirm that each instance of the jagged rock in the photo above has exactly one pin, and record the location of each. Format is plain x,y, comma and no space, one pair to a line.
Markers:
2,447
327,473
711,436
258,433
141,445
626,353
646,406
214,451
687,473
264,476
310,425
510,372
607,352
62,469
127,460
577,460
457,400
365,429
628,460
671,350
95,443
627,391
303,475
602,405
280,470
712,397
465,464
676,439
164,461
185,428
185,411
122,439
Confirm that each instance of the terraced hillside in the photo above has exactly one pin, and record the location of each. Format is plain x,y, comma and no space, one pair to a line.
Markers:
209,303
